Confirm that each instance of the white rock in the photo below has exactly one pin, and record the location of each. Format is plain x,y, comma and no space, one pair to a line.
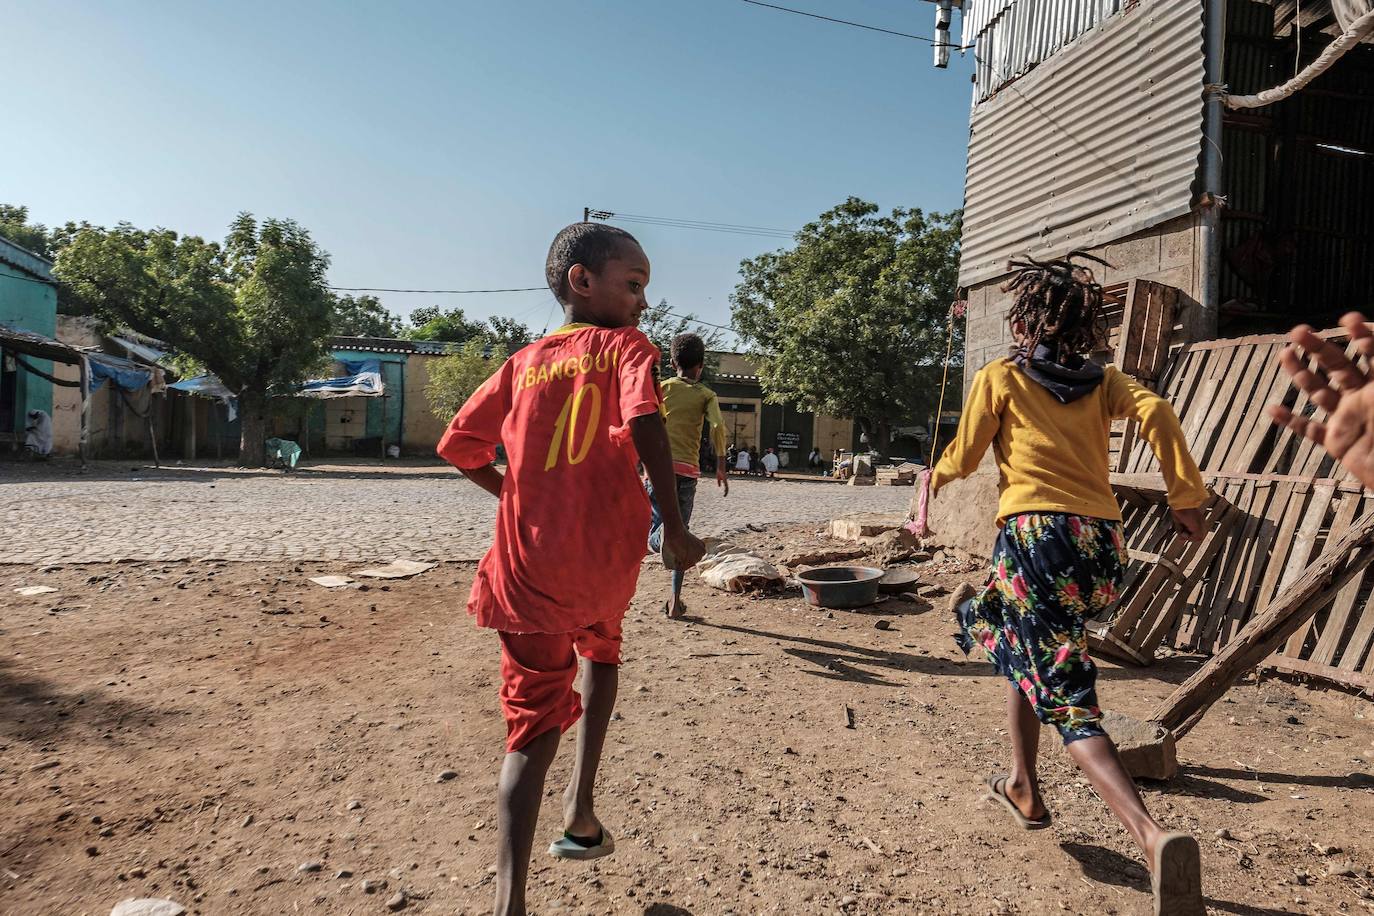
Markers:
147,906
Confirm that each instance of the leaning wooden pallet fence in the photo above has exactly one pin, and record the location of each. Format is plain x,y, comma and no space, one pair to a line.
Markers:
1278,501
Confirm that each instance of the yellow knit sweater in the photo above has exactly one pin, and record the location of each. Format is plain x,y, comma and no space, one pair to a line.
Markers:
1052,457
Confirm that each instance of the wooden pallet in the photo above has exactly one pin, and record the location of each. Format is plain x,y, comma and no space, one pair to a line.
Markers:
1279,499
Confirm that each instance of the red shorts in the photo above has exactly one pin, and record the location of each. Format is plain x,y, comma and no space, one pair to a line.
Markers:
537,674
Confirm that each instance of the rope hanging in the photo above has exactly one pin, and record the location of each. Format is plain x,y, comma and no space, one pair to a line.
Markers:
1360,29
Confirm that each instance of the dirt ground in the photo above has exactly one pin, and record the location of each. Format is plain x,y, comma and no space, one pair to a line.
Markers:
202,731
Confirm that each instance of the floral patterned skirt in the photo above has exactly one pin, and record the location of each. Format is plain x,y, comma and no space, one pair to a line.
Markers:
1050,571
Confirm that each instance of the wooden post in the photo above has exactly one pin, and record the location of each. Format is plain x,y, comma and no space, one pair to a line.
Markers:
1290,609
85,409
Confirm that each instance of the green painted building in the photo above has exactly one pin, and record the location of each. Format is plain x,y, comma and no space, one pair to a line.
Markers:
28,301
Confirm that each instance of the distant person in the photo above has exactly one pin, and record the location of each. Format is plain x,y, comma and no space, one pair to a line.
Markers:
687,405
814,461
770,463
1060,556
573,410
742,462
1343,390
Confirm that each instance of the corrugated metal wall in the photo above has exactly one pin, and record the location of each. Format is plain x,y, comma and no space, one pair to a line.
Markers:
1012,36
1098,142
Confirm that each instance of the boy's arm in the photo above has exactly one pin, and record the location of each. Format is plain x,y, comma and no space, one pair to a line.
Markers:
1159,426
469,443
651,441
977,428
718,441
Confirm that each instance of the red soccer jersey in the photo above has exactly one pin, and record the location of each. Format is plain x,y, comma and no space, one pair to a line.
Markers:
574,518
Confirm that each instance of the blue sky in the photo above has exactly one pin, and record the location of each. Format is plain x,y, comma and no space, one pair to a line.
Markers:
441,145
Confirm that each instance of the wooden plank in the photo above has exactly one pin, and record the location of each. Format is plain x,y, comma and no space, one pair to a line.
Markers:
1355,679
1222,415
1229,563
1180,391
1263,429
1195,557
1246,417
1194,413
1132,327
1341,561
1256,538
1285,514
1340,523
1359,640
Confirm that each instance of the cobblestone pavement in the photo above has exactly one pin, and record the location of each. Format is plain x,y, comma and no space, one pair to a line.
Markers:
117,513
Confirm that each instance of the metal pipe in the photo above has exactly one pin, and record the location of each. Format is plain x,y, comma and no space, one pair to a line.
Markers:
1213,178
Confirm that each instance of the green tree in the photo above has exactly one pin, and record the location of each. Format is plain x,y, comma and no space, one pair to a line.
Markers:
364,316
844,322
15,226
453,326
661,327
507,331
254,311
453,378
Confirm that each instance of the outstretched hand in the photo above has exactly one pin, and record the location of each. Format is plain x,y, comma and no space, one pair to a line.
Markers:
1342,389
722,477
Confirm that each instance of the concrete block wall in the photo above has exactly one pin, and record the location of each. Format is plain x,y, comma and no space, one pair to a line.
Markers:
1166,253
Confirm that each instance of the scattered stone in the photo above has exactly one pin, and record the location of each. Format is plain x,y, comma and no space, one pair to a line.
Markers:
371,887
1341,870
446,775
147,906
883,625
848,900
1224,834
397,901
1325,850
1147,749
343,873
353,805
92,851
789,751
309,868
1293,720
45,765
247,821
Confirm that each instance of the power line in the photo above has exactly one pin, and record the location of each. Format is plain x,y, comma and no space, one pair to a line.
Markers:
452,292
857,25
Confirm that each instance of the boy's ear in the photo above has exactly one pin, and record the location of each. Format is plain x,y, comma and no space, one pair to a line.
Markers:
579,279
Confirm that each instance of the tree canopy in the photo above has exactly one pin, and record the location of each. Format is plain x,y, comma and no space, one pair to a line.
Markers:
255,311
661,327
454,378
364,316
849,320
15,226
451,325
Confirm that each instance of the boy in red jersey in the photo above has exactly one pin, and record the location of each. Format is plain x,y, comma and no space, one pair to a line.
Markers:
573,411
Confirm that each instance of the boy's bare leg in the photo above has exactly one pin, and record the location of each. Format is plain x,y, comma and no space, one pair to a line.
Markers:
517,814
1099,761
600,683
1023,783
675,608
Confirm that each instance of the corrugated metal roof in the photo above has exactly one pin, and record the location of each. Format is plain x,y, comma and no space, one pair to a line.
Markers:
1013,36
1099,142
20,257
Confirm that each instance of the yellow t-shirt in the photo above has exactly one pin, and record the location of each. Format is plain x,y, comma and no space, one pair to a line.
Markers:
686,405
1052,457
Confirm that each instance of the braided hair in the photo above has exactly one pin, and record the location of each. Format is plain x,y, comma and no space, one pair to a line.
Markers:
1059,303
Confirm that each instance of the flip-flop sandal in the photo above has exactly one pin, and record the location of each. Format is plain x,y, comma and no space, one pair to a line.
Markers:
1177,877
667,612
997,791
581,849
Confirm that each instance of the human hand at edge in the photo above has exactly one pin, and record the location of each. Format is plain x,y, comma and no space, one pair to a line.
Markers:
723,477
1342,389
685,549
1189,524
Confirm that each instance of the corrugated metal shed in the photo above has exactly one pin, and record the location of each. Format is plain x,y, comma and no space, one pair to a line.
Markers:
1100,141
1012,36
20,257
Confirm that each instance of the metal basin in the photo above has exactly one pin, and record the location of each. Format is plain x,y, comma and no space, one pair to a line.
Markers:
840,586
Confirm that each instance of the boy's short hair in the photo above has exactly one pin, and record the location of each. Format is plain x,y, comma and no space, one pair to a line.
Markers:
589,244
689,351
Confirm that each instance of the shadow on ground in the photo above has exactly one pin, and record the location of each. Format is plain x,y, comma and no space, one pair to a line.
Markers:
34,710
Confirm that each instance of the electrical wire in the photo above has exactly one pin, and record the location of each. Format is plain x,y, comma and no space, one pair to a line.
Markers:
857,25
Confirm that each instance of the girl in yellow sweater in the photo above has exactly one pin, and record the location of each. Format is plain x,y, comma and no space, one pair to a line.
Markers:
1047,414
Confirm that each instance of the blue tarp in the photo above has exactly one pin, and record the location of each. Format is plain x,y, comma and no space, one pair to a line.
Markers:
364,380
209,386
121,372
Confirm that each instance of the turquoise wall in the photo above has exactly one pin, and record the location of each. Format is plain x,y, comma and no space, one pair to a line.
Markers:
33,307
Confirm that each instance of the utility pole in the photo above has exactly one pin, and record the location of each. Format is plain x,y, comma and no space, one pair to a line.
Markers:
586,214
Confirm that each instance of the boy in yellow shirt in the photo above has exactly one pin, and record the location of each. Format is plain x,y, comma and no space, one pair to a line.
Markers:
687,404
1060,556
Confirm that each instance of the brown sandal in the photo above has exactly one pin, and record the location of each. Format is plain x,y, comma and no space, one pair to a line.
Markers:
997,791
